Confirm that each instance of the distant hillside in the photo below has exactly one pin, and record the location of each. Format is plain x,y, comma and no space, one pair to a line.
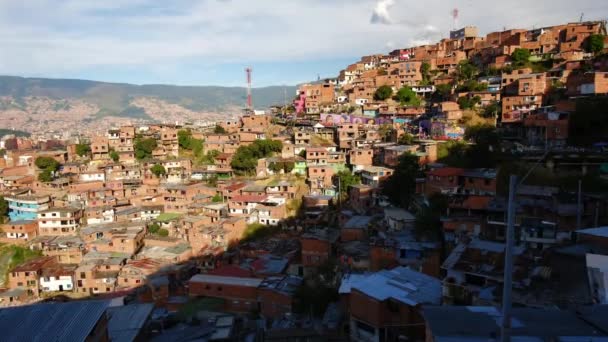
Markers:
56,106
115,98
17,133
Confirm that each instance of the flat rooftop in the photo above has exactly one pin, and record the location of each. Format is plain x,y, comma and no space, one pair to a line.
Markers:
221,280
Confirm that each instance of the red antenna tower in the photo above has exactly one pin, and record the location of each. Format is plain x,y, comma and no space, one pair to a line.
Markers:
248,72
455,17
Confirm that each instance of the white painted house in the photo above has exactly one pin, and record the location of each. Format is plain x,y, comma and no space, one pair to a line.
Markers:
92,176
57,279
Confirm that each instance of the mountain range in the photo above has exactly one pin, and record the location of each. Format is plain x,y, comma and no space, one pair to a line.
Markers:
28,103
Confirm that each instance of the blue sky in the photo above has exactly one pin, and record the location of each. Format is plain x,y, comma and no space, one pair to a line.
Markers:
209,42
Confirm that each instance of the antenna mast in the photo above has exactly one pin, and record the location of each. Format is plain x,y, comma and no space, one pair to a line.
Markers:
248,72
455,18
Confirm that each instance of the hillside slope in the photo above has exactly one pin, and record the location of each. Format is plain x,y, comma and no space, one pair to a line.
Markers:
34,103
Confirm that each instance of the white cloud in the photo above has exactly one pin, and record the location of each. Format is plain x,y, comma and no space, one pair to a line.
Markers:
381,12
50,37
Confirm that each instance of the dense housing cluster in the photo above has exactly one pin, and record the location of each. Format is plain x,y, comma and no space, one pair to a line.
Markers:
373,208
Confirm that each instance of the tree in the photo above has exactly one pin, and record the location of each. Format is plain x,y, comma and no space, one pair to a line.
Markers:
219,130
196,145
246,158
244,161
163,232
48,166
425,70
144,147
217,198
406,96
153,228
302,154
484,153
3,208
406,139
492,110
212,181
385,131
47,163
383,93
490,71
465,71
443,91
158,170
209,158
401,186
520,57
428,224
346,180
468,103
45,176
595,43
472,85
115,156
2,152
83,149
256,231
482,134
453,153
288,166
183,138
276,167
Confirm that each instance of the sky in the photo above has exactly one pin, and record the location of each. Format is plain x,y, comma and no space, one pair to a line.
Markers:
210,42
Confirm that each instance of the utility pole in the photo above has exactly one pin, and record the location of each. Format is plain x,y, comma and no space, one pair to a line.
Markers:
508,269
510,236
248,72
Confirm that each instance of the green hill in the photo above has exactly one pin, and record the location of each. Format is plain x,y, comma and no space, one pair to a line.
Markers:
114,98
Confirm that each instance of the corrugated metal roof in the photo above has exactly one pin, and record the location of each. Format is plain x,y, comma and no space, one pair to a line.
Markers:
401,284
51,321
125,322
212,279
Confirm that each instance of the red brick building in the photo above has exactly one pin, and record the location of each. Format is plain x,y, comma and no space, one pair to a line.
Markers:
317,246
443,180
387,304
239,294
